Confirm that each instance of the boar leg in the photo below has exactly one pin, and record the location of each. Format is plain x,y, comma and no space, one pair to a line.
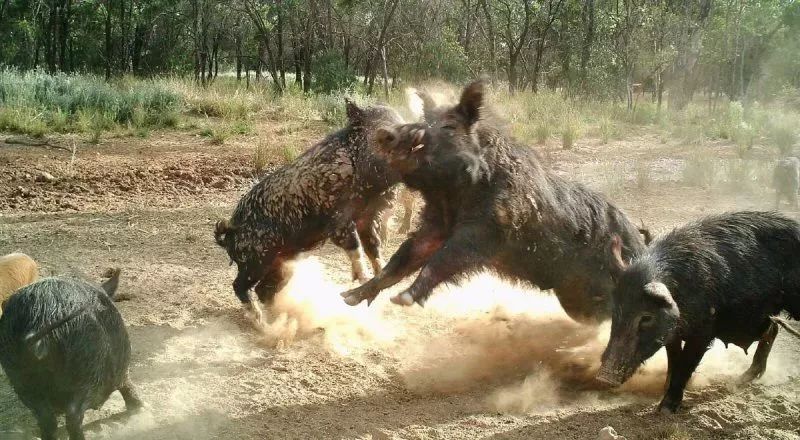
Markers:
759,364
411,255
46,419
346,237
371,229
681,371
130,396
74,419
272,282
245,281
407,200
466,251
673,354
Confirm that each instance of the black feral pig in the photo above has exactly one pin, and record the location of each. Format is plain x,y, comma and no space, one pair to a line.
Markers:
337,189
786,180
491,204
723,277
65,349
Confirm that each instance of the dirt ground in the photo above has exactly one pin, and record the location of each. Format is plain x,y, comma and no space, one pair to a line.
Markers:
482,360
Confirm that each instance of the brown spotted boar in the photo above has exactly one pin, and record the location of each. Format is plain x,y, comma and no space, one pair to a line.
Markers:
336,190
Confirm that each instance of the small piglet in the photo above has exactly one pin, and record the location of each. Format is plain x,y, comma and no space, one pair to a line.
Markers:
723,277
65,349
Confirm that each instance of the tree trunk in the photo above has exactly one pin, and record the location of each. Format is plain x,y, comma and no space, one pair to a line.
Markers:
586,48
109,55
512,75
492,44
238,44
196,39
385,73
279,37
64,40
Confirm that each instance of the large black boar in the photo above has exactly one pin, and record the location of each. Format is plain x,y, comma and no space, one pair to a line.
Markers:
490,203
65,349
722,277
786,180
337,189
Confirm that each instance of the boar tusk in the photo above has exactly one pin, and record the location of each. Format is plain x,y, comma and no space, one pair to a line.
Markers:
417,148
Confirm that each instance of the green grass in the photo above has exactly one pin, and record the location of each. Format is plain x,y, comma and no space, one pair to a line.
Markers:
260,158
38,104
290,153
782,132
541,133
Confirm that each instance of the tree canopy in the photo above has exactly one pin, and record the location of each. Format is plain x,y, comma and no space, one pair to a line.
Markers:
741,49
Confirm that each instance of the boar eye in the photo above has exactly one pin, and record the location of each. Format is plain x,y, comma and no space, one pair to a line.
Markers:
646,321
449,127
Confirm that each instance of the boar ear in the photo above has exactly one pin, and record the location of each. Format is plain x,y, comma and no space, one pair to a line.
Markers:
354,113
110,285
384,137
618,264
428,106
221,229
471,101
660,293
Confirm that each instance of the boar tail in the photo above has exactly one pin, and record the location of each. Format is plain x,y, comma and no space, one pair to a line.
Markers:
34,339
782,322
221,229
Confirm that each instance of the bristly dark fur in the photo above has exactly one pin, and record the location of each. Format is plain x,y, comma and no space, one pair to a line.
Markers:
337,189
77,363
491,204
724,276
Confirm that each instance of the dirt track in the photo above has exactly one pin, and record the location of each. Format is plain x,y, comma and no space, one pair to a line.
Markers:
484,360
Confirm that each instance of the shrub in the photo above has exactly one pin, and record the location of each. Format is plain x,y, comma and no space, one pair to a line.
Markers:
332,73
290,153
783,134
541,133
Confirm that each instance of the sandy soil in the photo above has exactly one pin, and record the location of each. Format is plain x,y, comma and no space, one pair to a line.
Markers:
483,360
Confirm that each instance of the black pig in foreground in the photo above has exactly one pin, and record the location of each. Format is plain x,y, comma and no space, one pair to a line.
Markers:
64,348
491,204
722,277
338,189
786,180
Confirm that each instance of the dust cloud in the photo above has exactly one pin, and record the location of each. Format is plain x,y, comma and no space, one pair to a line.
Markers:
509,342
483,332
310,304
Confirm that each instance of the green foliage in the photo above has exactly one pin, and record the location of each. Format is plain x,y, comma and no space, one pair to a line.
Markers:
541,133
66,102
290,153
783,133
443,57
332,74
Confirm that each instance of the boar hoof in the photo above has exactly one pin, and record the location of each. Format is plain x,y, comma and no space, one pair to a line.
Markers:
403,299
253,312
667,408
352,300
